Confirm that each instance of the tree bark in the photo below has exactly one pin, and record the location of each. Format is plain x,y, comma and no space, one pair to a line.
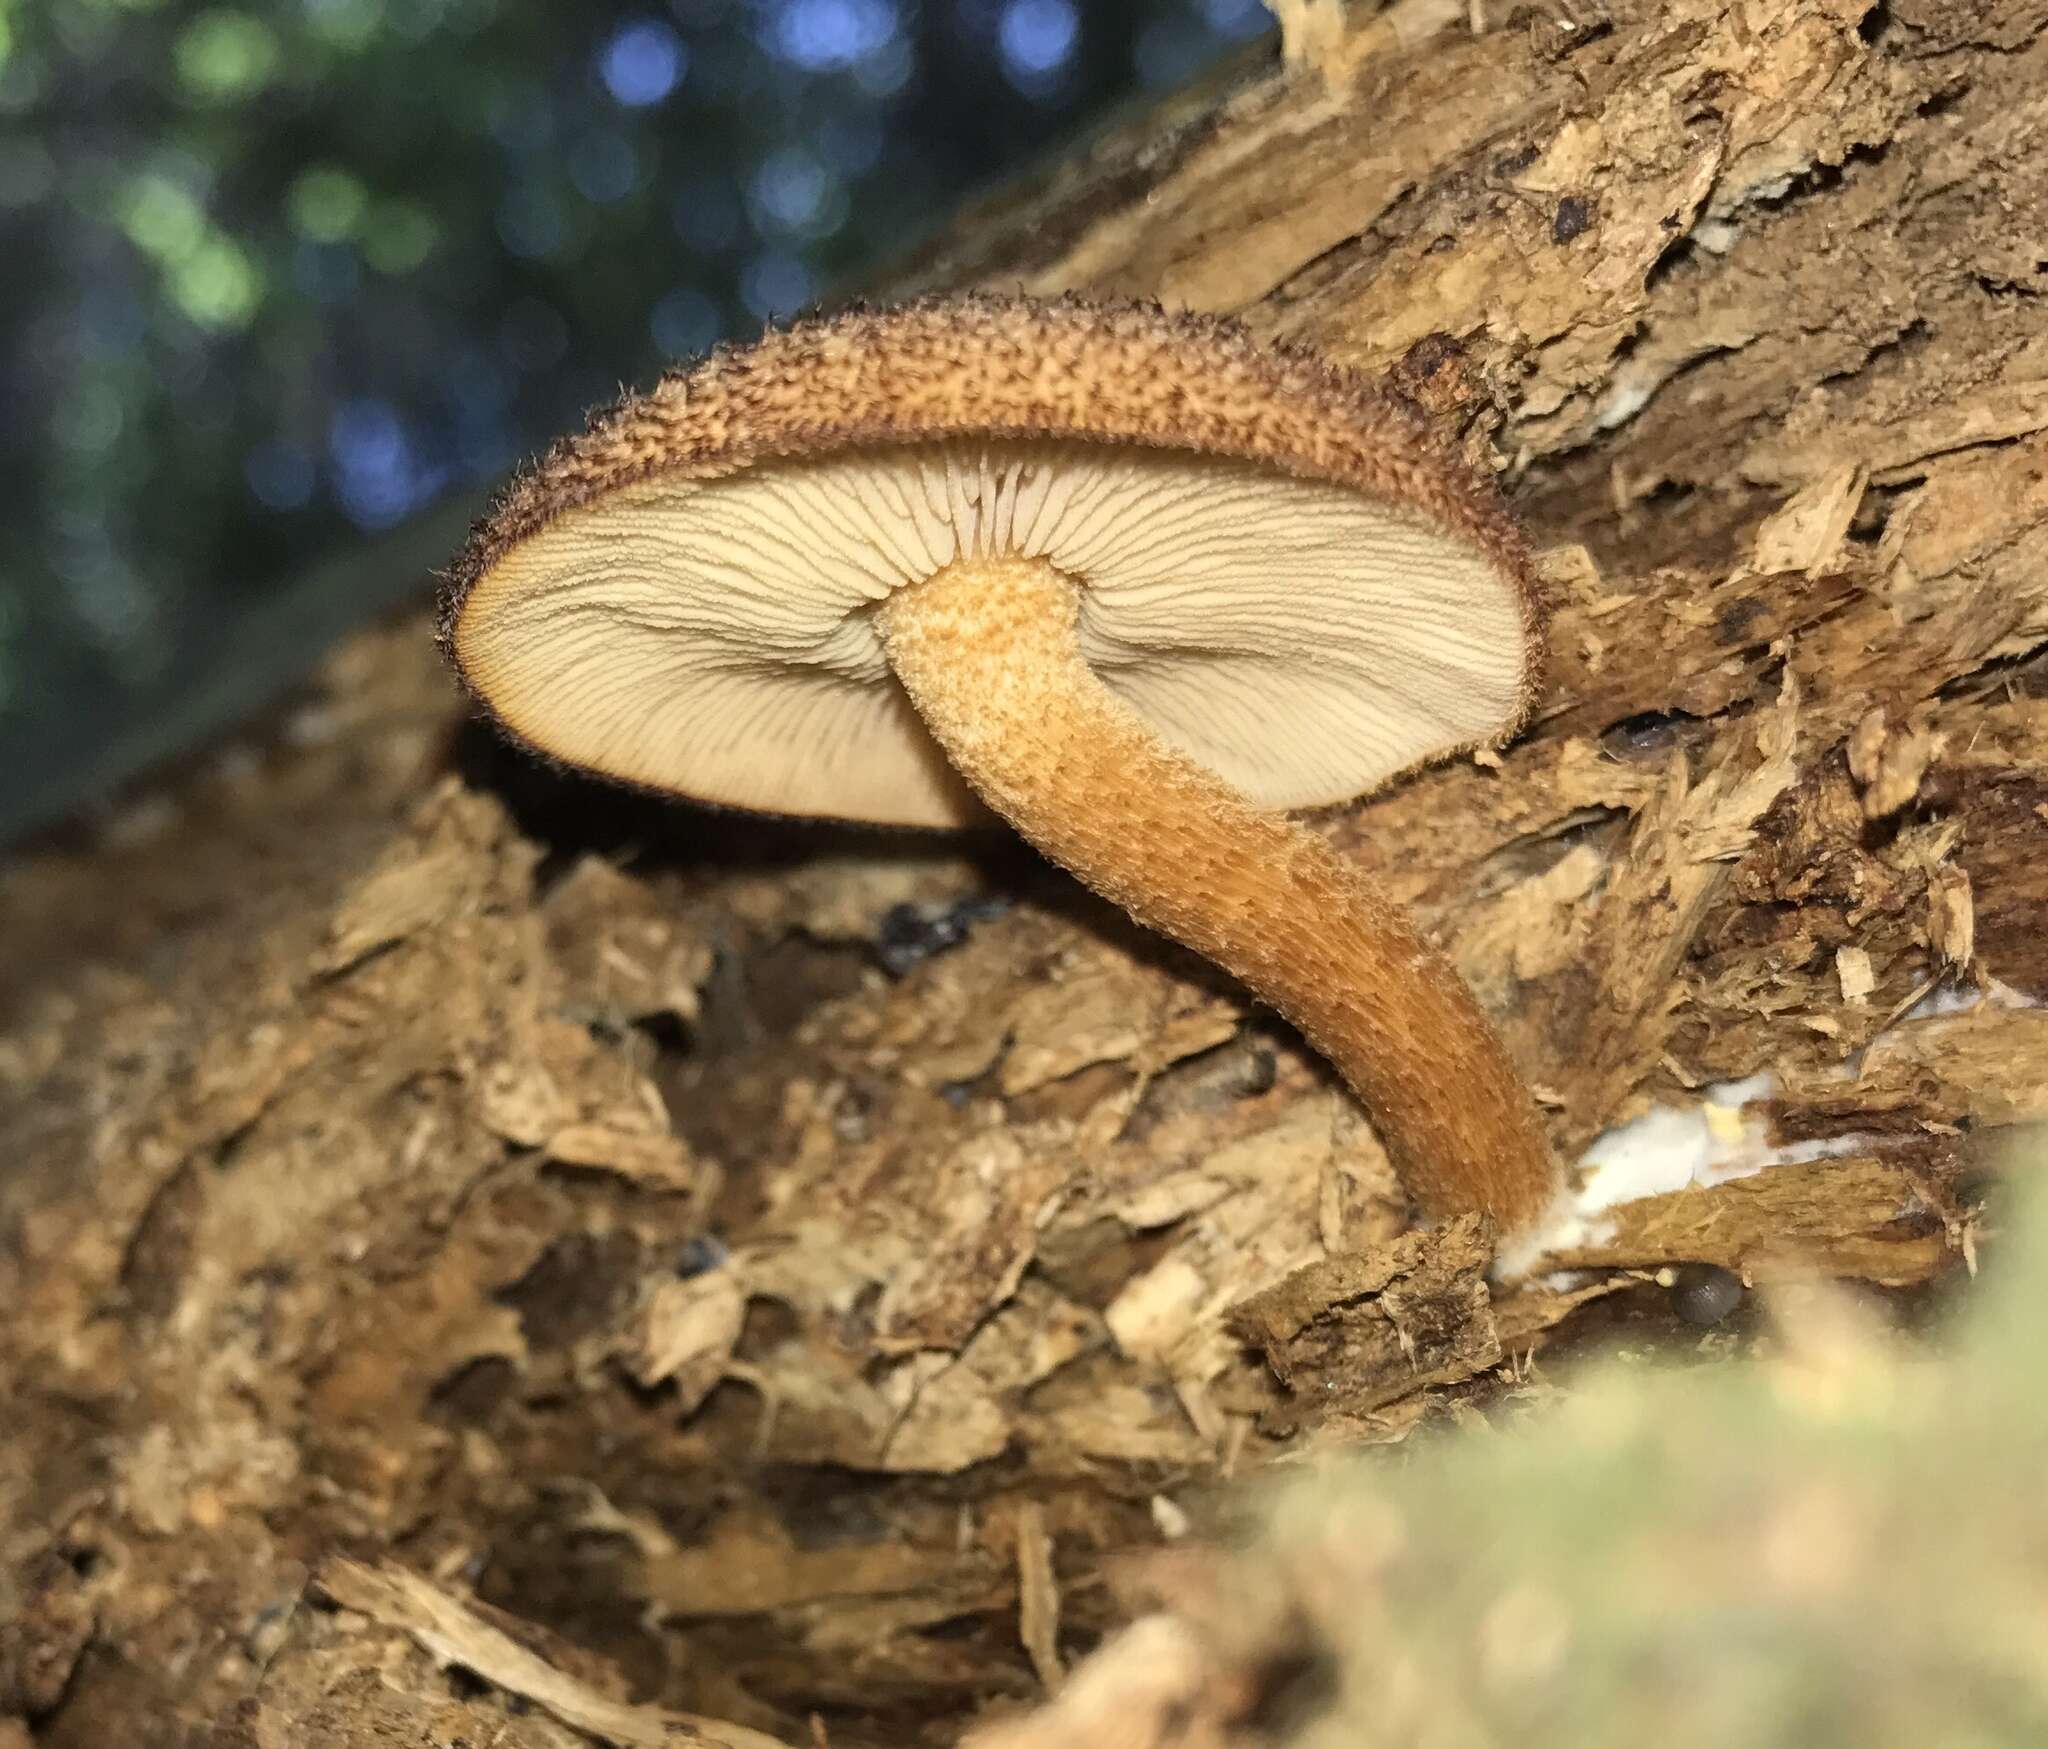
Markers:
703,1254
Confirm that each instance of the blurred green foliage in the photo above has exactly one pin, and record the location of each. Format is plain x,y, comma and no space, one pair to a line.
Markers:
1843,1542
280,272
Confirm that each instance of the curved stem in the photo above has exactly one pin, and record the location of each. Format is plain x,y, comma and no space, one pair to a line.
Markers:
989,651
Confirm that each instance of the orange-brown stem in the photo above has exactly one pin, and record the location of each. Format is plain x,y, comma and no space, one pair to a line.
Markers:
990,653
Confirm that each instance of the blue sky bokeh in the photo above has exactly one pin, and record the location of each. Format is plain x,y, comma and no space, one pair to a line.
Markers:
286,274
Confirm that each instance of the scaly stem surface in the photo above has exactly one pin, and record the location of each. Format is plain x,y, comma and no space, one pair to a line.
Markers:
990,653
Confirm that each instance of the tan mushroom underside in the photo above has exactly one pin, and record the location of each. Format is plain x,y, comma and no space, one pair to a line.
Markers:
991,652
717,636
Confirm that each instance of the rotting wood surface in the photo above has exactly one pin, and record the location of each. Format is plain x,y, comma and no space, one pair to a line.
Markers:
559,1199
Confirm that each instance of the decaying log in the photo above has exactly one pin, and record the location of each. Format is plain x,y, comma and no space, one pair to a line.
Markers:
749,1255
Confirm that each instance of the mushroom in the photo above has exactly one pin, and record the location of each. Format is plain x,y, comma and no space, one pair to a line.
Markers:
1133,580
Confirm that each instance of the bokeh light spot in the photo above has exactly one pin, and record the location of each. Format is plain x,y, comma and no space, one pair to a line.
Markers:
685,323
887,71
824,36
530,222
789,191
603,166
327,204
400,235
775,284
162,217
642,62
377,473
344,24
88,420
1238,20
113,319
1037,38
222,56
105,594
217,285
522,117
328,273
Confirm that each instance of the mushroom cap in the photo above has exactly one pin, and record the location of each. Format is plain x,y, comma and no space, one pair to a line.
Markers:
1282,570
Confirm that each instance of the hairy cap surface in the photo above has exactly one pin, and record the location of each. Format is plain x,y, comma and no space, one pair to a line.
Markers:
1280,568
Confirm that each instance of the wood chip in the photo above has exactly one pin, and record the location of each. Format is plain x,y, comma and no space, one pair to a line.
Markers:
658,1160
1853,972
1952,915
1807,533
411,892
454,1633
685,1331
1038,1595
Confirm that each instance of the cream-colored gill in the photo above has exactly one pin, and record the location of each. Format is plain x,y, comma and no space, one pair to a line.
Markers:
717,636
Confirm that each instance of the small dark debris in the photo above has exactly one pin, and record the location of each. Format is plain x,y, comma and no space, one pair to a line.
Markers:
1574,214
1433,353
1732,623
1705,1293
465,1684
1432,373
701,1255
1645,735
908,935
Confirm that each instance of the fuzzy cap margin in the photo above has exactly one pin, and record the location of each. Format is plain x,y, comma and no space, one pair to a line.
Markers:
995,366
